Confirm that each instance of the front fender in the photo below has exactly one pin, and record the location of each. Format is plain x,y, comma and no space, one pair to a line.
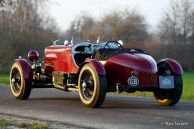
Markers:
97,65
26,68
175,66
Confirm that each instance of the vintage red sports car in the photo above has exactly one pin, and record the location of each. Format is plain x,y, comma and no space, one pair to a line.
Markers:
93,69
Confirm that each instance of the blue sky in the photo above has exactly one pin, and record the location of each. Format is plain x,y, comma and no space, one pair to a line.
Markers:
64,11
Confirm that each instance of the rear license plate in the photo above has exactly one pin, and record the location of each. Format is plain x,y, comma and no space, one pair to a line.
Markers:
166,82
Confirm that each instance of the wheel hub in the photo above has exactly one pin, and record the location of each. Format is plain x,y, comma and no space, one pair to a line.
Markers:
16,81
84,84
87,85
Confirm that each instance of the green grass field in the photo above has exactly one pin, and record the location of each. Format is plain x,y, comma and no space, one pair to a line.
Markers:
4,79
188,87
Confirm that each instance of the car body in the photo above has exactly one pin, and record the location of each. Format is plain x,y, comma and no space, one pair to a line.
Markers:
93,69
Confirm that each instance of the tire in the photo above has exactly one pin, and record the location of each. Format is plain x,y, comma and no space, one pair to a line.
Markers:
169,97
92,88
19,88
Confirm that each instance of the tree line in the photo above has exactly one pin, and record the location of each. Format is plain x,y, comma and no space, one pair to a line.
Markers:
173,38
23,27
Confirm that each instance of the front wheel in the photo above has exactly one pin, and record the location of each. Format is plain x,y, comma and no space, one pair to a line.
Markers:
92,87
19,88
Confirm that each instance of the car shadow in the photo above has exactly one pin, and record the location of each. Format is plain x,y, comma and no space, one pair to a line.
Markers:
148,105
117,102
53,98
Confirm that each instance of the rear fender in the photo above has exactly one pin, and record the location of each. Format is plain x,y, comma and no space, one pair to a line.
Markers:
26,69
97,66
175,66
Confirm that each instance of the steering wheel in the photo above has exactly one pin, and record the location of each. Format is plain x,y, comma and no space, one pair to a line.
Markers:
89,46
118,44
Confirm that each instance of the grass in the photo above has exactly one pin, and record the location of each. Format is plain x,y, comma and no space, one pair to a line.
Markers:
8,123
39,126
33,126
4,78
4,123
188,86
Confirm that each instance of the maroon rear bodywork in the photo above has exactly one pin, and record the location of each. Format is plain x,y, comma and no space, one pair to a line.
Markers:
175,66
120,67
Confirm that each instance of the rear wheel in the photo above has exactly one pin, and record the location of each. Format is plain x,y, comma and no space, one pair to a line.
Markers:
92,87
19,88
172,96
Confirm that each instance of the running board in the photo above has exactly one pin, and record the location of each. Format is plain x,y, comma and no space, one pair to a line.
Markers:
67,88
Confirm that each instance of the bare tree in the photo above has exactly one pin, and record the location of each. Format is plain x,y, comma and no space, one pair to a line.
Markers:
175,31
127,25
21,29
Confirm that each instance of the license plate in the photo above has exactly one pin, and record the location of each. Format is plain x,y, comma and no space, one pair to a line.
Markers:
133,81
166,82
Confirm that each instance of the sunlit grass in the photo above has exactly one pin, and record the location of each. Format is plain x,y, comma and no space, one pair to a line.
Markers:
188,86
4,78
39,126
4,123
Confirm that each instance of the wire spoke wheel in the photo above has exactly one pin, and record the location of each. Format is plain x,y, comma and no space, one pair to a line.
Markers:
16,80
20,89
92,88
87,85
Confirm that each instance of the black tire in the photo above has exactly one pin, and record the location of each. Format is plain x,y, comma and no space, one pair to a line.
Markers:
169,97
19,88
92,88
